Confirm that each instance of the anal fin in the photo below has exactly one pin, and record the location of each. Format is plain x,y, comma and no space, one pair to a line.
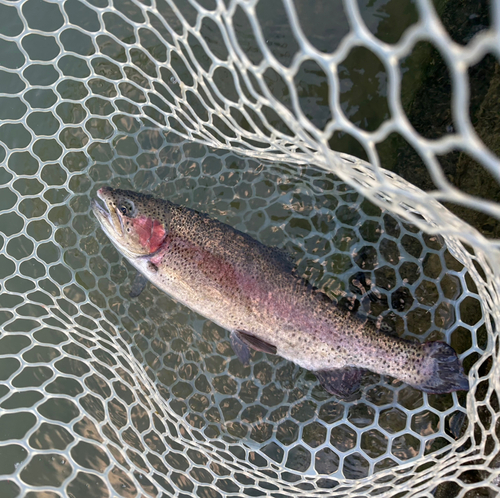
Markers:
341,382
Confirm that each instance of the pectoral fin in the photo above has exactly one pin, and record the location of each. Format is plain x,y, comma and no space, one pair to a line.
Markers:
241,341
138,284
342,382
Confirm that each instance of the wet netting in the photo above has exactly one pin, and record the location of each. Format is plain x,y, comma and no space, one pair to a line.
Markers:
362,137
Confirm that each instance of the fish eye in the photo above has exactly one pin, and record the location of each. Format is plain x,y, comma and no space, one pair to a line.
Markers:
127,208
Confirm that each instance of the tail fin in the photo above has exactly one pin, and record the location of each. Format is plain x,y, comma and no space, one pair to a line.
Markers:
444,371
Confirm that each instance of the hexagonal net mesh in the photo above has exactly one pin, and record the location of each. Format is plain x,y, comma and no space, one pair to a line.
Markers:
255,112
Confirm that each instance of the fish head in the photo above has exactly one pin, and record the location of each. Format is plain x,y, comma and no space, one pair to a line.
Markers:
136,223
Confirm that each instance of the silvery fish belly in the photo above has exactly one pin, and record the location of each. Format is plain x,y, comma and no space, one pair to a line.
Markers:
251,290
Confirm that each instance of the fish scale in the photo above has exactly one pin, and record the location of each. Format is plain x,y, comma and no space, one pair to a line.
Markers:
252,290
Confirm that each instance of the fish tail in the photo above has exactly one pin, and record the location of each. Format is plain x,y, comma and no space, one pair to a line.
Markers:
441,371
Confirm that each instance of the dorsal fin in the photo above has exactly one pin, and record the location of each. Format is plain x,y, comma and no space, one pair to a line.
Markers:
282,258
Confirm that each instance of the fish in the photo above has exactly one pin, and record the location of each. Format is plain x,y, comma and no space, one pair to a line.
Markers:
253,291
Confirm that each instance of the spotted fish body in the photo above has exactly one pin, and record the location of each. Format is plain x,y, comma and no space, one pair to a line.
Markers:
251,290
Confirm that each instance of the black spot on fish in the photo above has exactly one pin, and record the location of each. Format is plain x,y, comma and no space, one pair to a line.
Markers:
152,267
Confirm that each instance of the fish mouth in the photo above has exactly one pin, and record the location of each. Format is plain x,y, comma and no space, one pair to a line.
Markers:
99,209
110,222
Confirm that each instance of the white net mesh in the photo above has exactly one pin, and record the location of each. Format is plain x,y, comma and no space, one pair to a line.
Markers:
218,106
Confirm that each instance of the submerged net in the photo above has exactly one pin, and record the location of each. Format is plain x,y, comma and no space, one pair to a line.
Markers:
255,112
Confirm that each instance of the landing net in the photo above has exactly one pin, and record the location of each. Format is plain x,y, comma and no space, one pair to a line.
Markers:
320,127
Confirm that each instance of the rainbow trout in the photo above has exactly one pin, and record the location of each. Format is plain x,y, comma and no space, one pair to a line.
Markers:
251,290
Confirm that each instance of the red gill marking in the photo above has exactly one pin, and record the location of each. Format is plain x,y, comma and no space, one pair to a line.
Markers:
158,234
151,233
157,256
